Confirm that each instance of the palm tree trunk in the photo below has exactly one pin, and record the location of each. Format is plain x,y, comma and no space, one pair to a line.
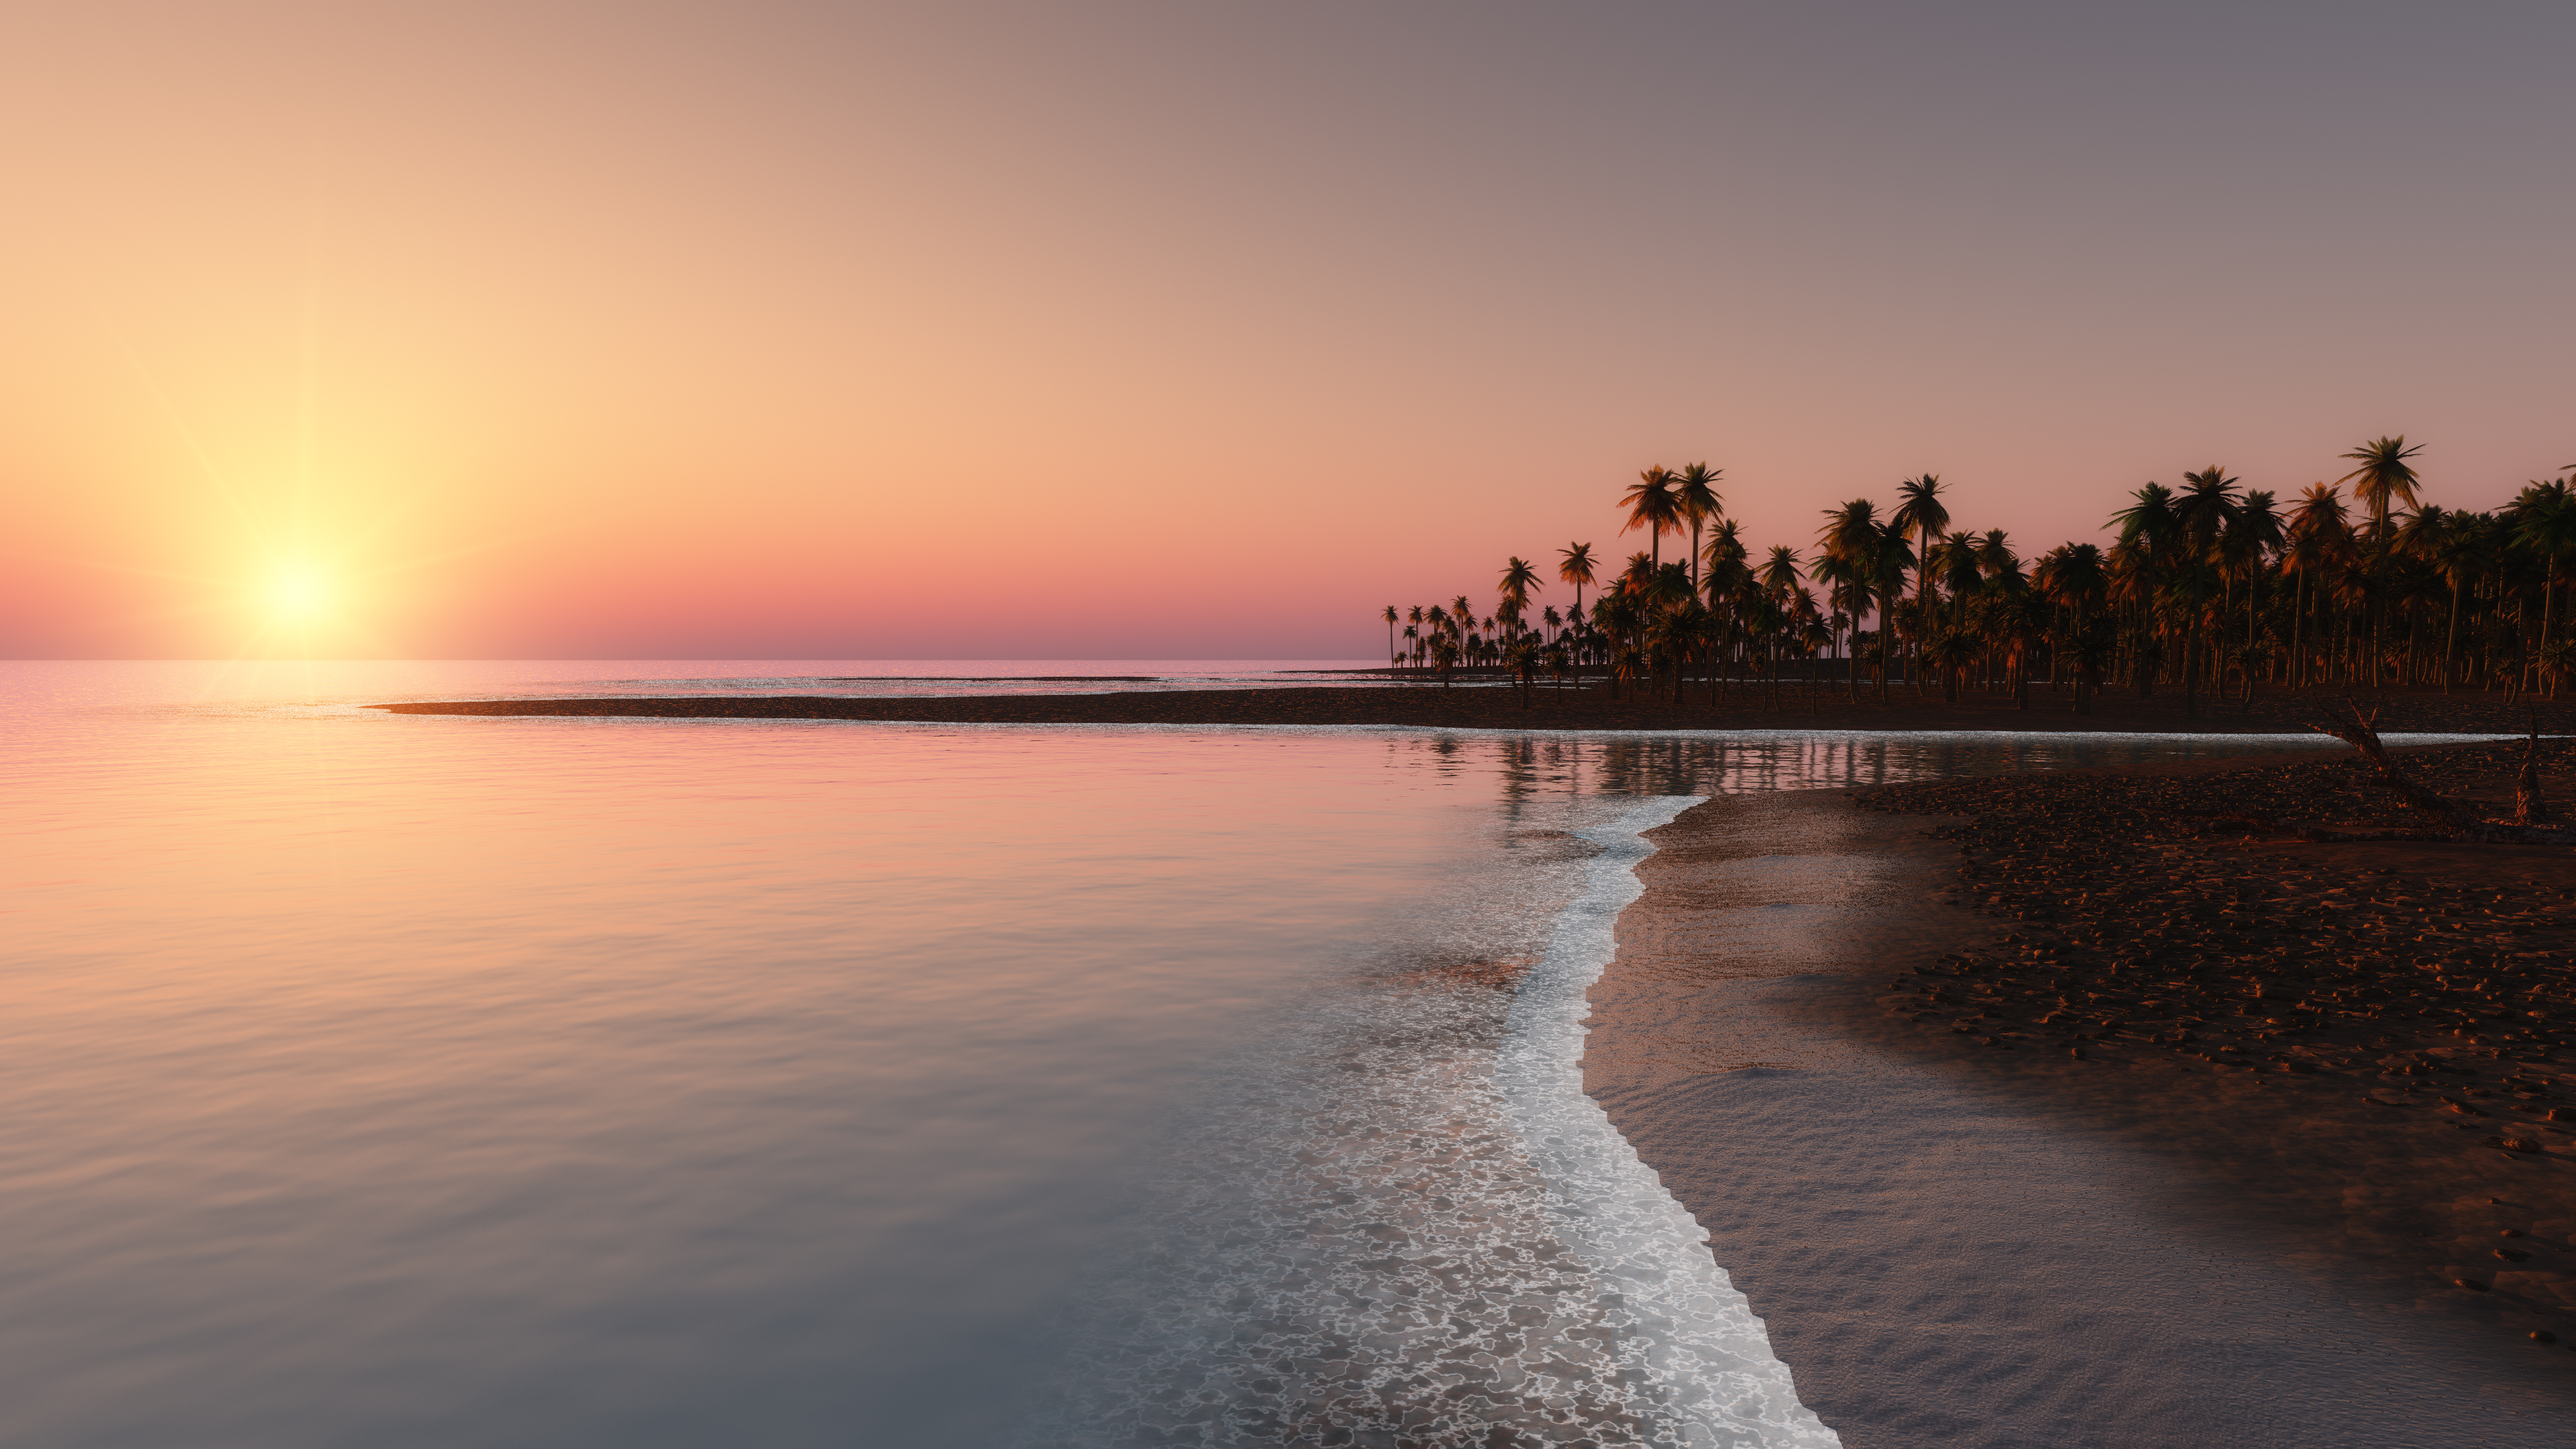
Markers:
1851,653
2191,673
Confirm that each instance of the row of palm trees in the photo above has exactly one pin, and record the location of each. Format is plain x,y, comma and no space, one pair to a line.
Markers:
2208,587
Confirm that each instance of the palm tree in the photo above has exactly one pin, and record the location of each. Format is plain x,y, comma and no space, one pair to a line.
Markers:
1695,495
1653,507
2090,652
1850,538
2251,539
2383,479
2458,548
1518,579
1391,617
1842,599
1574,566
1922,514
1444,657
2150,533
2319,537
1522,658
2074,578
1888,564
2202,514
2544,517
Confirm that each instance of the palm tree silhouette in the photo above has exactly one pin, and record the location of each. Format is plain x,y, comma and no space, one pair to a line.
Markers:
2319,537
1518,579
1574,566
2383,478
2544,521
2150,535
1850,538
1695,497
1921,513
1889,562
1652,506
2202,513
2458,548
2253,536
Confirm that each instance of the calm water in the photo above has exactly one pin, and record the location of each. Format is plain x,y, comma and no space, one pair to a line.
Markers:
391,1081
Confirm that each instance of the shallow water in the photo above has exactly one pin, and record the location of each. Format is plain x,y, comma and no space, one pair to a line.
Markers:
455,1081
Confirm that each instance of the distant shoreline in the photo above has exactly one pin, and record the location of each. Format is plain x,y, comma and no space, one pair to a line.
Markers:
1549,707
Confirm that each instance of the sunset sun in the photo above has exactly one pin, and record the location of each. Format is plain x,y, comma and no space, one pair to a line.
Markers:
297,596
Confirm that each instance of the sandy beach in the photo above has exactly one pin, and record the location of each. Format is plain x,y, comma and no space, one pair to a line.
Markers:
2205,1229
1793,707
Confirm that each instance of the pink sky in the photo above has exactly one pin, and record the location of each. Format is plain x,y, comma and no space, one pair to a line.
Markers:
1152,331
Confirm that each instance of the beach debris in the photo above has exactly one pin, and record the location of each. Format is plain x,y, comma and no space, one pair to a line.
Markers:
2354,728
2472,1284
2515,1144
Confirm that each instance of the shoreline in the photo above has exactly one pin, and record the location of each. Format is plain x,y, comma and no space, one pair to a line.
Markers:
1552,709
1957,1243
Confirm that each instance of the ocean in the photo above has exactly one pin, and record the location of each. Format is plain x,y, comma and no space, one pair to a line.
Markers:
448,1081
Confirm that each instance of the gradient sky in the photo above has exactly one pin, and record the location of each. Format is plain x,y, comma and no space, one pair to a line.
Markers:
802,330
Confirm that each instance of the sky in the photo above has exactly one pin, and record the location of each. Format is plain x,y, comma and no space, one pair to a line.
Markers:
753,330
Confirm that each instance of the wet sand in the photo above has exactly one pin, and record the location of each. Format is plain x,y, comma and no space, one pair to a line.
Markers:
1957,1244
1792,707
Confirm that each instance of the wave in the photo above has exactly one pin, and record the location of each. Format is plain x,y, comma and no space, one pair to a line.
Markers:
1700,1359
1402,1225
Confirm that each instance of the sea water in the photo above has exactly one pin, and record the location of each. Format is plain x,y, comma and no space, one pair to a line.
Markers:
393,1080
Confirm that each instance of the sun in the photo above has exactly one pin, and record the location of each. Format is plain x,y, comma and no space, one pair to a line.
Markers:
298,596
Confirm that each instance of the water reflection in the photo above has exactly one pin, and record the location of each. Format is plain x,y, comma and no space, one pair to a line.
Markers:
1530,766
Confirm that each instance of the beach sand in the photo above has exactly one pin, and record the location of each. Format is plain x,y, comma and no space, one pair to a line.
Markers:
1793,707
1956,1244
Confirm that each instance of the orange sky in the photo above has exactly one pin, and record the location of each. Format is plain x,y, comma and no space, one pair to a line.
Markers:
1137,331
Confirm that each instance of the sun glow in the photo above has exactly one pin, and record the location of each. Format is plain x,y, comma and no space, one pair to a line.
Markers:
297,597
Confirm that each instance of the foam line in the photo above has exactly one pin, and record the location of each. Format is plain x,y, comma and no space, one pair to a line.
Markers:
1707,1376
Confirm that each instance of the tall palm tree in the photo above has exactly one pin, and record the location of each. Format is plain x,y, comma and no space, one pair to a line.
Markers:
1574,566
1850,537
2383,478
2203,513
1695,495
1842,598
2150,535
2252,537
1518,579
1922,514
2319,536
2544,521
1653,506
1391,617
1888,564
2070,577
2420,538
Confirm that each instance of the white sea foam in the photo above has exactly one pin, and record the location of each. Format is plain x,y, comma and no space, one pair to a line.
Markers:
1690,1343
1402,1225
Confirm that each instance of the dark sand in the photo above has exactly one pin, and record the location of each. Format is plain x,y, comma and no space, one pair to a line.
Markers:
1960,1244
1549,708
